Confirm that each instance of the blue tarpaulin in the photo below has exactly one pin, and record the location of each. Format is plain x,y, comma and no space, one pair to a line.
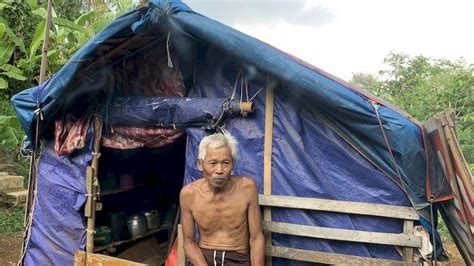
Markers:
330,139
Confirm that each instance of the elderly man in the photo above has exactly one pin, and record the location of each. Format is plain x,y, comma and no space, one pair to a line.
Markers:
225,208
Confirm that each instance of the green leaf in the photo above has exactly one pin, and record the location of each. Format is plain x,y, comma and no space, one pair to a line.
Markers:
9,137
4,5
68,24
37,38
6,51
12,72
103,21
53,55
41,11
2,29
10,121
18,42
14,75
84,17
33,4
11,68
58,2
3,84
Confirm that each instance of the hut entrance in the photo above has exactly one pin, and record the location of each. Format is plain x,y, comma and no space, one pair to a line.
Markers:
139,194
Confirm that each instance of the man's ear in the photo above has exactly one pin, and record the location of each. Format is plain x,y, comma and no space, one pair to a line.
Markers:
199,163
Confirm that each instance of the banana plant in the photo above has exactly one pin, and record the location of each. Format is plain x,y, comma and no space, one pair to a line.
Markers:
7,47
10,133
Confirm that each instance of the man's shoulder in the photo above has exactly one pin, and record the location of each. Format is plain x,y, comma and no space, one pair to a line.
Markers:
189,188
246,182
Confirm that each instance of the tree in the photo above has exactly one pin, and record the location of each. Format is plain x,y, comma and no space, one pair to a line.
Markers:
22,26
423,87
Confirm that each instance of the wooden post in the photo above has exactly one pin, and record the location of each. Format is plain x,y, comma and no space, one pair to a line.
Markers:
92,185
267,160
408,251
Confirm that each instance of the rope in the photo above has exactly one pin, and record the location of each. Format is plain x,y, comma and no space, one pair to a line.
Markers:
375,105
247,89
235,84
170,63
251,98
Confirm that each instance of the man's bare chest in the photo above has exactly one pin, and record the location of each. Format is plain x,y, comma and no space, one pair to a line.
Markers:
220,214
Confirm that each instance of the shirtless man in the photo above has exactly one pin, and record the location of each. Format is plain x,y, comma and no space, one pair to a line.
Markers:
225,208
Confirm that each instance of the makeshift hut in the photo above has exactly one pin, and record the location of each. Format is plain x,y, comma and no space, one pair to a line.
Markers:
116,130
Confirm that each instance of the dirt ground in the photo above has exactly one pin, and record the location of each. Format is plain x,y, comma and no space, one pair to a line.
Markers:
10,250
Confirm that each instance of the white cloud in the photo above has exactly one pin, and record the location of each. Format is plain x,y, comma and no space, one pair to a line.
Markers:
354,36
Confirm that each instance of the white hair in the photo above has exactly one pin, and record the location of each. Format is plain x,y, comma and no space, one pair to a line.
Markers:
216,141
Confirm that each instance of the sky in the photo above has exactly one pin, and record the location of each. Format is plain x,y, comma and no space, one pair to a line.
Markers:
344,37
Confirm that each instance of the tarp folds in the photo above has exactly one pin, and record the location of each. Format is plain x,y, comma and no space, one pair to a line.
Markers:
309,160
168,112
351,113
58,228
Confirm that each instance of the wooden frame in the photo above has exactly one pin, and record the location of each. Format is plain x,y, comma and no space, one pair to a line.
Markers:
406,240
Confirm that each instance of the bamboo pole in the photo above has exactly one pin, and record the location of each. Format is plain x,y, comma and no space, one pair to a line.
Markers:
91,186
32,170
267,160
27,219
44,51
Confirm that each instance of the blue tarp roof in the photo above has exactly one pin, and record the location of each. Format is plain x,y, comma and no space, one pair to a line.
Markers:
313,110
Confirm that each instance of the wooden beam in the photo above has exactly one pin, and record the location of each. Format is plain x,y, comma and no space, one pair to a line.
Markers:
327,258
343,234
267,158
81,258
408,251
372,209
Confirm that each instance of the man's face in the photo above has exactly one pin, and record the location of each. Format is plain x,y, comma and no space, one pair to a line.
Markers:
217,166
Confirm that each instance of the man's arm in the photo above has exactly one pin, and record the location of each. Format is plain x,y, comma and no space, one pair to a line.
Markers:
257,241
191,249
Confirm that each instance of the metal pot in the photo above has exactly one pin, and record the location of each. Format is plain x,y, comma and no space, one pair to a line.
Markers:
137,225
152,219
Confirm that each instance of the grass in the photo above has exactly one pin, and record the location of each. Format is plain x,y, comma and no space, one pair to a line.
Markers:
11,221
443,230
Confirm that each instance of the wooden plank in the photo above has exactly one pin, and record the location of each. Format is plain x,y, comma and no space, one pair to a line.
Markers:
449,168
343,234
372,209
267,158
181,255
81,258
327,258
408,251
459,160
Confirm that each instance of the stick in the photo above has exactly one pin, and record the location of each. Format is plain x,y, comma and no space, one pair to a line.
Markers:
267,161
173,232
